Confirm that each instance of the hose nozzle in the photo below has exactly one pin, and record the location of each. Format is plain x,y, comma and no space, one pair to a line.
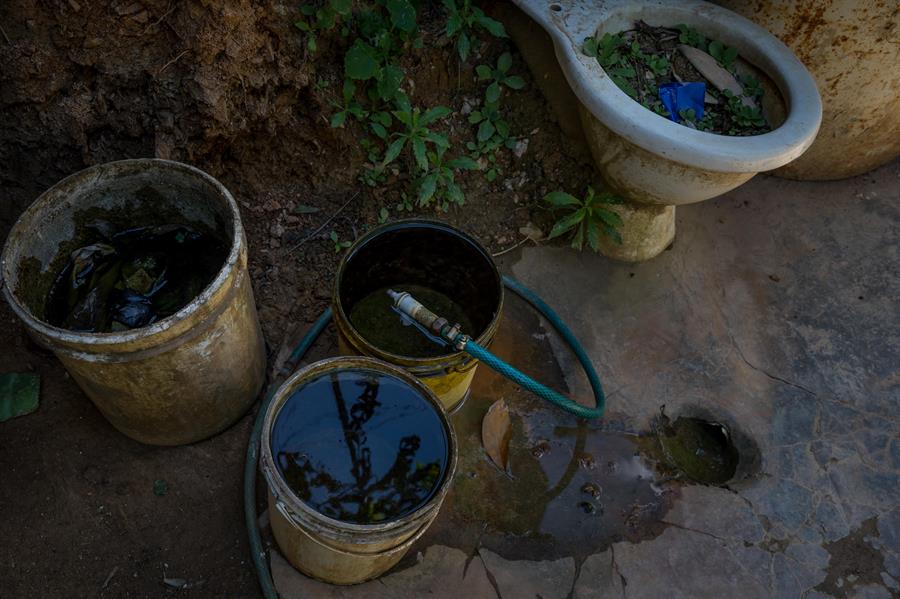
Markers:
412,308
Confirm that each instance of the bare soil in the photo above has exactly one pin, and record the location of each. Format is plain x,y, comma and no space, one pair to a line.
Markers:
232,90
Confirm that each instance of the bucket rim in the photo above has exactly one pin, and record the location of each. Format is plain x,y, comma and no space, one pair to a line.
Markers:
111,171
415,364
338,529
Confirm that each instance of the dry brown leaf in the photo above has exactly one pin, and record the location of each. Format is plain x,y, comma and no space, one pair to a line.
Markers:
496,432
716,75
532,232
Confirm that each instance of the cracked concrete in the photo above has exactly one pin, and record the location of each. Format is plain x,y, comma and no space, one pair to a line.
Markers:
777,311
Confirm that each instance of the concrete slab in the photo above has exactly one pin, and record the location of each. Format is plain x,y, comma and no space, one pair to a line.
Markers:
777,312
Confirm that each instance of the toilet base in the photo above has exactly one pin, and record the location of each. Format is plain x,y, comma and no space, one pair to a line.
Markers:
647,230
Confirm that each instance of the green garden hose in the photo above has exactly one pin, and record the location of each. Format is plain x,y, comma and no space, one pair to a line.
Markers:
257,550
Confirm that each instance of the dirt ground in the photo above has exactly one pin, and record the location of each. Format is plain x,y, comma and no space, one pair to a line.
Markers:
232,90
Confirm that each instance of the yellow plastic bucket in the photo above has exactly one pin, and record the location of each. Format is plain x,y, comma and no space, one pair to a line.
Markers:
331,550
434,255
182,378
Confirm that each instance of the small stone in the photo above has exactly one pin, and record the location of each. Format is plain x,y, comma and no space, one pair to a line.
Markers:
591,489
276,230
521,147
541,449
587,461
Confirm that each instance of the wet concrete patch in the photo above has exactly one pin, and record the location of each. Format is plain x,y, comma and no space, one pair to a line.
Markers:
855,562
572,487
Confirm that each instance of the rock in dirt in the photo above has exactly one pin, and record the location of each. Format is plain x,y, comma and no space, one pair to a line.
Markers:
521,147
532,232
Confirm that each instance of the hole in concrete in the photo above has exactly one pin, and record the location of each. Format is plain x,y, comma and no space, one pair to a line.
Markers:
702,448
555,7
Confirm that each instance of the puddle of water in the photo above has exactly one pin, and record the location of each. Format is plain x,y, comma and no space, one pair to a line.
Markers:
572,488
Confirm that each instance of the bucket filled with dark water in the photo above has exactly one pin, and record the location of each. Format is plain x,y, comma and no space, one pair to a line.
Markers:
443,268
134,273
358,456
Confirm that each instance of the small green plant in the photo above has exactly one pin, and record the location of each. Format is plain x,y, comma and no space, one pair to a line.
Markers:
691,37
374,55
587,219
492,134
498,77
741,114
349,107
365,62
464,19
723,54
752,86
707,122
490,124
635,50
405,204
379,123
658,65
656,106
321,18
416,132
438,184
373,173
606,51
383,215
688,115
339,246
747,116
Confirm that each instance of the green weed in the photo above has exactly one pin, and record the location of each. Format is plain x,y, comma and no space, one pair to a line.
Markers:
498,77
607,52
339,246
587,218
438,184
464,19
